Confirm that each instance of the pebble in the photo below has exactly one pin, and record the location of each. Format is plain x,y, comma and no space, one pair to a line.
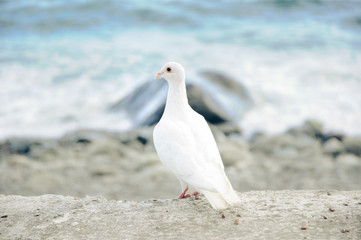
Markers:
345,230
331,209
303,227
223,216
236,221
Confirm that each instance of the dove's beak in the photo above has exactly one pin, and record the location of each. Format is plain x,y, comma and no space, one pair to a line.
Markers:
158,75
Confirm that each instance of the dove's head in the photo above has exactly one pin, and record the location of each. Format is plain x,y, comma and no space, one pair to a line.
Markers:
172,72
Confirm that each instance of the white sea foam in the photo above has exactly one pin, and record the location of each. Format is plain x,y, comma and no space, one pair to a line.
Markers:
55,83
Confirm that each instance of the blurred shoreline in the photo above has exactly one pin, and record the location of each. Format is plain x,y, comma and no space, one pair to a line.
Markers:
62,64
126,166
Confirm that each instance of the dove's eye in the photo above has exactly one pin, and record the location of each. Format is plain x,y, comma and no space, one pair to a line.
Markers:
169,69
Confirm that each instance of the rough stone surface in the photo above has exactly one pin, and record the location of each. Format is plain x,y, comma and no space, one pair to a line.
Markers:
263,215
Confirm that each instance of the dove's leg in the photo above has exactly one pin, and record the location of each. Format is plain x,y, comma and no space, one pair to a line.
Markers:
183,195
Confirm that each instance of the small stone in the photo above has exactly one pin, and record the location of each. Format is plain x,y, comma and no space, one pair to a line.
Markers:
331,209
238,215
328,193
353,145
223,216
345,230
76,198
324,217
333,146
194,203
345,204
348,159
303,227
5,216
331,220
236,221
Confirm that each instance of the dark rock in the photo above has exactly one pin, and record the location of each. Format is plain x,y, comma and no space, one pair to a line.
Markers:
142,140
83,137
313,128
230,94
145,105
203,103
83,140
227,84
353,145
328,136
333,147
18,146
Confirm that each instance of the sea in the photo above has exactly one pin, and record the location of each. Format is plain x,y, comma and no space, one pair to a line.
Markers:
63,64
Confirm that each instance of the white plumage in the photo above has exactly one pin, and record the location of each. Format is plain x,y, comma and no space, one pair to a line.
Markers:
185,144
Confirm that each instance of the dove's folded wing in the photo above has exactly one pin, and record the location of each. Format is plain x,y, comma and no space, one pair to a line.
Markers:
181,151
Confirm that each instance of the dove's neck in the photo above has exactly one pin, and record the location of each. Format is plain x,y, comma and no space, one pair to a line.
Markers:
177,100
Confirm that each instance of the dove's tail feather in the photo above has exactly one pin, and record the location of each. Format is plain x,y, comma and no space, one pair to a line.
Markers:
231,197
222,201
216,200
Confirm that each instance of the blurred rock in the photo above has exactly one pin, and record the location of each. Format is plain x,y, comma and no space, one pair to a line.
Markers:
333,146
233,152
124,165
230,93
284,145
145,104
353,145
349,160
313,128
206,104
230,129
227,84
217,97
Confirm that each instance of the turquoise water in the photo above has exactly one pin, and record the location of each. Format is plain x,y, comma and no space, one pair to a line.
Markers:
62,64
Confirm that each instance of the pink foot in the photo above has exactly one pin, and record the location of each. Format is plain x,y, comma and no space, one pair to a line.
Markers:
184,195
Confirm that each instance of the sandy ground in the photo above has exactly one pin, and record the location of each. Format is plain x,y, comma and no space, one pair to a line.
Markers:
263,215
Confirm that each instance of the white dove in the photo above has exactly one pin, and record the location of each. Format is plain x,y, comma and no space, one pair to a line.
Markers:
185,144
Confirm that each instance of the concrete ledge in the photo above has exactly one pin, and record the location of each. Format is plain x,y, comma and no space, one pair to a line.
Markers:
264,215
